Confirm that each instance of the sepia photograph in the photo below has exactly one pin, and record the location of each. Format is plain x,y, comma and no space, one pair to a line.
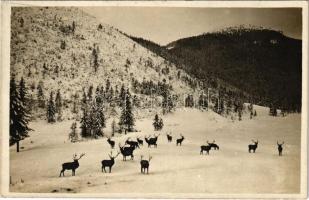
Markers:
154,99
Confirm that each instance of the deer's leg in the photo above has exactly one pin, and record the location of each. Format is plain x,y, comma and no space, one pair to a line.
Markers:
110,169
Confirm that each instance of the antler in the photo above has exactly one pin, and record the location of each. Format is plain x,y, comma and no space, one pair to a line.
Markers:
81,156
150,157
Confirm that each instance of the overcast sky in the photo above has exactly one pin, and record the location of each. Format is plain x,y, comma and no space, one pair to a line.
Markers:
164,25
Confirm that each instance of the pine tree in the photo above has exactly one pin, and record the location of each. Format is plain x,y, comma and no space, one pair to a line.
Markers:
127,118
73,27
161,124
167,103
73,136
203,102
40,95
84,124
95,60
156,122
51,110
19,116
239,114
122,96
75,100
58,105
113,126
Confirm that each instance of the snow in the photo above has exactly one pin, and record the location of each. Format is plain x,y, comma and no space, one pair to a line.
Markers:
173,169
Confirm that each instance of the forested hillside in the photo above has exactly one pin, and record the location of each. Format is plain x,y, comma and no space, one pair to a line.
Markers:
263,63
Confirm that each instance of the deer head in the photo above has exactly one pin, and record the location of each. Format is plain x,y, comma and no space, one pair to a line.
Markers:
280,144
75,156
255,142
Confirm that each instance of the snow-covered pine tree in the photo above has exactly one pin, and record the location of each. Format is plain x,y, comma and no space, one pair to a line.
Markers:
19,117
51,110
167,103
40,95
114,127
73,136
122,96
160,124
239,114
75,100
99,121
58,106
127,120
95,59
202,102
84,124
156,122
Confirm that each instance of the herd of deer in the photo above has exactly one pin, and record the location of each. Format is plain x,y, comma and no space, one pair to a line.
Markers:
129,147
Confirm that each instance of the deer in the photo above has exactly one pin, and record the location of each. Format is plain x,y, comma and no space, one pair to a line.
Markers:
169,137
71,165
109,163
152,141
280,148
111,142
205,148
126,151
253,147
213,145
179,140
140,141
132,143
145,164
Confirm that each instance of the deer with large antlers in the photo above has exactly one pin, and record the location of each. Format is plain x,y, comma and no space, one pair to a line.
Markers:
111,142
280,148
179,140
109,163
152,141
71,165
126,151
254,146
213,145
145,164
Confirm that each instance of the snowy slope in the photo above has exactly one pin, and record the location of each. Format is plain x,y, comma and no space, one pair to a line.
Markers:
38,42
173,169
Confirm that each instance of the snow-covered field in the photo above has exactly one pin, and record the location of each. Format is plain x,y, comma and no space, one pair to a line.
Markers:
173,169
